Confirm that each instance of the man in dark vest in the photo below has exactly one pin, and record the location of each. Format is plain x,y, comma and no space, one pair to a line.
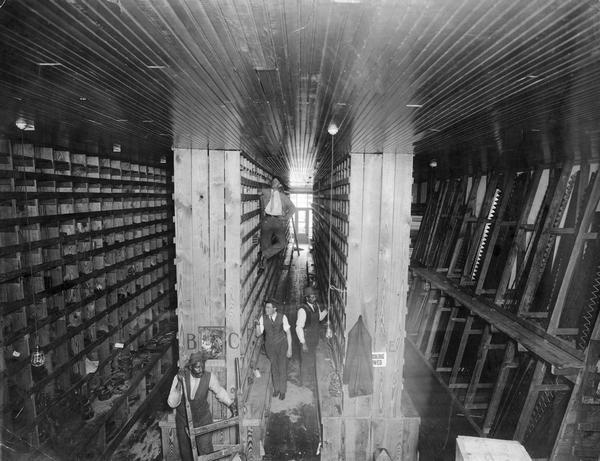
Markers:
197,383
309,315
278,344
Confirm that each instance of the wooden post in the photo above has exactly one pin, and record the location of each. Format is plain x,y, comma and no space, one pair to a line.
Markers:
233,261
182,198
379,226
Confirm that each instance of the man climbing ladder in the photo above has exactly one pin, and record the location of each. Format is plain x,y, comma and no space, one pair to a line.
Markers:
276,210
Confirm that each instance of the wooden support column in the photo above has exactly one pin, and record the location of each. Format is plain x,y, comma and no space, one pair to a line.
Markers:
233,258
378,241
182,197
208,244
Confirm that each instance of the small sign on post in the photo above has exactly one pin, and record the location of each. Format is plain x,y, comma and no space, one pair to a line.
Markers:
379,359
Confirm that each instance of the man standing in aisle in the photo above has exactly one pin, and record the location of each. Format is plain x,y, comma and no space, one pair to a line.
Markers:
276,327
197,383
310,314
277,209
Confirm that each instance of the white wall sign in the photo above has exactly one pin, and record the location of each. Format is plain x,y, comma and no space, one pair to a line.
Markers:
378,359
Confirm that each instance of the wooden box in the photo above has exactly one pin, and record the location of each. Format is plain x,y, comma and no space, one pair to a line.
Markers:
477,448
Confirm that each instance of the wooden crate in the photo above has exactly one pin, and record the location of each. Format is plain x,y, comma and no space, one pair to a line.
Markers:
479,448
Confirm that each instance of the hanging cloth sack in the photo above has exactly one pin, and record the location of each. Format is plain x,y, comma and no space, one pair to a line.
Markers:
358,366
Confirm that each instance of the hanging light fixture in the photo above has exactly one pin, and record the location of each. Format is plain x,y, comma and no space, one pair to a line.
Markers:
332,129
38,358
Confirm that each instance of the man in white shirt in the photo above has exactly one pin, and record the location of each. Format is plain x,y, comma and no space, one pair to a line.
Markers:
277,210
276,327
309,316
197,383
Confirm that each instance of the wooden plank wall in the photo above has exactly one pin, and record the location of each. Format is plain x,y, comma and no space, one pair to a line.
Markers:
217,223
378,257
207,229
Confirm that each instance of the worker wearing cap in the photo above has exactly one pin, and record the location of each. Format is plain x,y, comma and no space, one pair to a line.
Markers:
309,315
197,383
277,209
278,344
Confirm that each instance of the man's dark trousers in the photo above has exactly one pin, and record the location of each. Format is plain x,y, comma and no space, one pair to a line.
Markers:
272,235
276,349
311,336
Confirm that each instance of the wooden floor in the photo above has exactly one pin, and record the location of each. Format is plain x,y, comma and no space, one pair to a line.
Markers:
293,428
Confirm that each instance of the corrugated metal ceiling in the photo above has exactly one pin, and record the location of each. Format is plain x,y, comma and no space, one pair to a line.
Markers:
456,77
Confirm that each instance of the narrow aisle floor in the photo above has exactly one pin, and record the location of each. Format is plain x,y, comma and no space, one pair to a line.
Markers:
441,419
292,427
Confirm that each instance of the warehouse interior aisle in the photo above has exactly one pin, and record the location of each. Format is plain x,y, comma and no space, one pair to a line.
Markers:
293,428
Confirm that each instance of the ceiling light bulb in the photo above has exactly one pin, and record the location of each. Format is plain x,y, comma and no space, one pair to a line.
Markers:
433,163
21,123
332,129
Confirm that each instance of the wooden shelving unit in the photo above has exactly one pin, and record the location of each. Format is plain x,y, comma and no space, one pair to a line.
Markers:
360,244
86,273
331,209
503,302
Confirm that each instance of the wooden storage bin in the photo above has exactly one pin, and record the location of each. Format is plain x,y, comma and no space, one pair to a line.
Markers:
30,258
95,205
5,157
7,185
84,245
80,187
78,165
61,155
30,233
96,225
66,206
9,264
25,185
50,231
48,207
22,157
43,153
104,168
69,249
115,169
67,228
93,166
65,187
479,448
